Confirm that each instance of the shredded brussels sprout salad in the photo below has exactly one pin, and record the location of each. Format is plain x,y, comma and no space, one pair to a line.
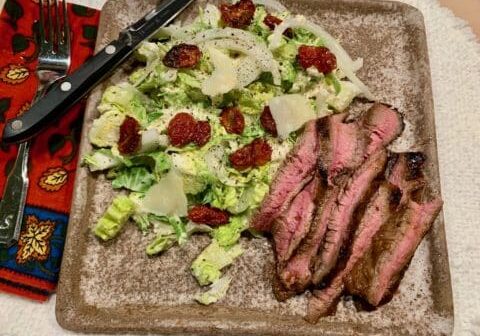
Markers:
249,69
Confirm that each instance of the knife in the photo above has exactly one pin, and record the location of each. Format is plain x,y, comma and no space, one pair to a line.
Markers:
72,88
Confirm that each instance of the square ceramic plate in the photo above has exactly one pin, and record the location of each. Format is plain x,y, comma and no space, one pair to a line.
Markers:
115,287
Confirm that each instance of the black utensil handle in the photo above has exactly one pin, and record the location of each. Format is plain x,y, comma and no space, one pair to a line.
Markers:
68,91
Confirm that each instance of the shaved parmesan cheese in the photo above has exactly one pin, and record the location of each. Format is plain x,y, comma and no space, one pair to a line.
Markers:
223,78
150,140
166,198
345,63
265,62
243,42
247,71
290,113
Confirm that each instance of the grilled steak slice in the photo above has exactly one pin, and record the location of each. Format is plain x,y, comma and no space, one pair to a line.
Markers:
353,142
324,144
340,219
297,274
405,172
347,146
324,302
280,292
383,125
376,275
379,209
291,178
293,225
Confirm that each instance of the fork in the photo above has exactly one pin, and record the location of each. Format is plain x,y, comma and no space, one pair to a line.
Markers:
53,64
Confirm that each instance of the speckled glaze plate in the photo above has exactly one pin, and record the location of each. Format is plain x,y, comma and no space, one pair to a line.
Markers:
115,287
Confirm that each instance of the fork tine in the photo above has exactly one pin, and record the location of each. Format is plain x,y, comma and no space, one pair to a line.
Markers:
66,26
58,31
41,24
50,24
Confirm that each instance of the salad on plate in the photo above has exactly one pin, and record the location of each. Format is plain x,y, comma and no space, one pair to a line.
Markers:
195,136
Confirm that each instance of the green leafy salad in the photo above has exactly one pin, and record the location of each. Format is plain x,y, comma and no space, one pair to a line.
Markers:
164,166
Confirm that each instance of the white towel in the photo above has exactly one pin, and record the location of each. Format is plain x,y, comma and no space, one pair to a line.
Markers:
455,65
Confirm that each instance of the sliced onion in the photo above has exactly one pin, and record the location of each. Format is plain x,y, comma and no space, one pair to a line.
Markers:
230,33
357,64
265,61
176,31
344,61
272,5
212,15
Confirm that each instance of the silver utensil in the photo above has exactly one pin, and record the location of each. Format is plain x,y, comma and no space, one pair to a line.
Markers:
53,64
76,85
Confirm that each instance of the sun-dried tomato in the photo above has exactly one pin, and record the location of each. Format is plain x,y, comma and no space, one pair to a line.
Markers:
238,15
267,121
181,129
272,21
255,154
202,133
205,214
182,56
130,138
319,57
262,152
232,119
242,158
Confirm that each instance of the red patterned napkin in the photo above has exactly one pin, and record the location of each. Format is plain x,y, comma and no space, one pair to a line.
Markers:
31,268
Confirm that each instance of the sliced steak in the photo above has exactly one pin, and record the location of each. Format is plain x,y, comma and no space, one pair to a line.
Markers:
383,125
376,275
291,178
294,223
353,142
343,147
347,146
405,172
339,222
324,302
379,209
325,146
297,274
280,292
